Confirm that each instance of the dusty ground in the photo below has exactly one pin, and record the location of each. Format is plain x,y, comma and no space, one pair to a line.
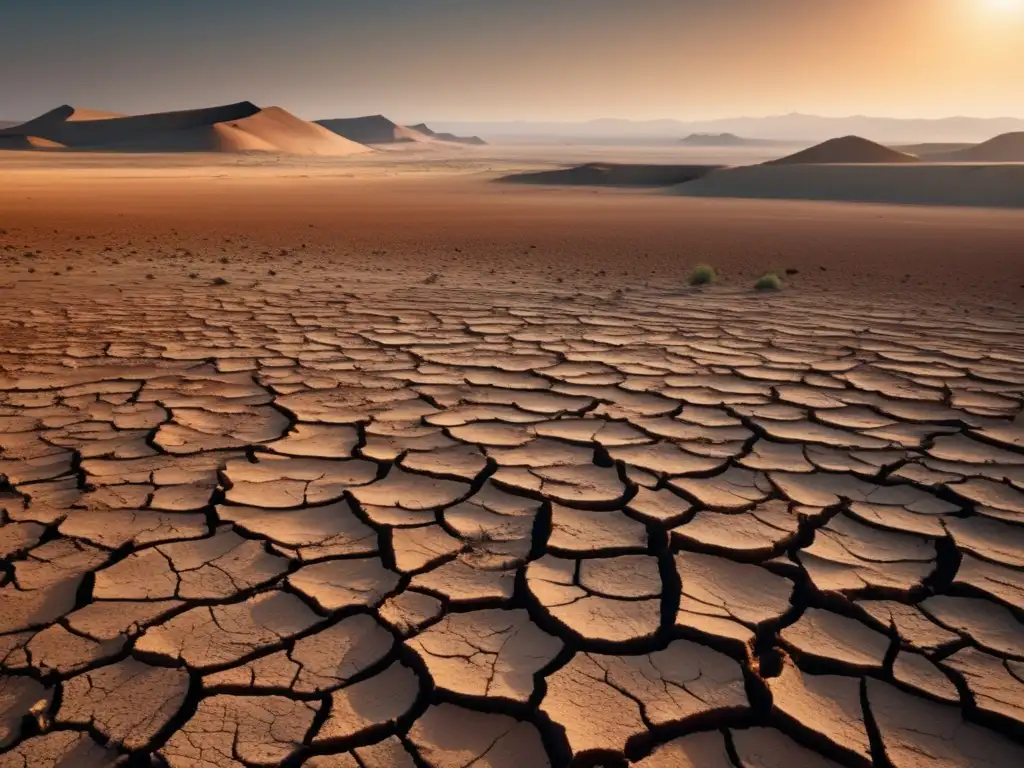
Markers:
403,211
504,516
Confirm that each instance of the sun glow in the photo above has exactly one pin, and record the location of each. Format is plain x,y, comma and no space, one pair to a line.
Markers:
1003,6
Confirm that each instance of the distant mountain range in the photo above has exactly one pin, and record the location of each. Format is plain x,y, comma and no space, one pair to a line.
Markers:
793,127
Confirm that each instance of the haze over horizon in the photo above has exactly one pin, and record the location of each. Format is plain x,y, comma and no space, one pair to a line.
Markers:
484,60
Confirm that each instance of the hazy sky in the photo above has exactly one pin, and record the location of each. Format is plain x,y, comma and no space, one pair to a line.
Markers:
518,59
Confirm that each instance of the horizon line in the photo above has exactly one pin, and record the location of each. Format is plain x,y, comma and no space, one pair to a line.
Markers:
585,121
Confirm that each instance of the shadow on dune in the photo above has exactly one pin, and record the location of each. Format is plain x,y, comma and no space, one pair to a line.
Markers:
987,186
846,150
613,175
1005,148
64,126
232,128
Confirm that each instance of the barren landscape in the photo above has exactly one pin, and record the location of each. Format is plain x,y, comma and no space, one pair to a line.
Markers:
375,459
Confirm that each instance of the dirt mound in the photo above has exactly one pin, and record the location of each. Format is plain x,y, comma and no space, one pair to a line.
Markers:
61,126
1005,148
991,186
614,175
372,129
848,149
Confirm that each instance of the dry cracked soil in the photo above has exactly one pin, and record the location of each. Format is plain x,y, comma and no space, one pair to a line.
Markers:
381,525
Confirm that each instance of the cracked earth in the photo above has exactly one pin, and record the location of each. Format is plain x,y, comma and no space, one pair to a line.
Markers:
403,525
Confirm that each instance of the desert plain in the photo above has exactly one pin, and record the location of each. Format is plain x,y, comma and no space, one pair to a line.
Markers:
378,460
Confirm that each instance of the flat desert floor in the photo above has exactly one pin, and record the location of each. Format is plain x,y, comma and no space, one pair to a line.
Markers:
384,464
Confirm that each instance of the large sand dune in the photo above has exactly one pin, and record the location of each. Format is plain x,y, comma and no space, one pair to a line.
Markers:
372,129
62,126
846,149
240,127
999,186
377,129
268,130
1006,148
613,175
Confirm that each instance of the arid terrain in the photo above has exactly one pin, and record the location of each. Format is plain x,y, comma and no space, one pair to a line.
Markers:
378,461
421,212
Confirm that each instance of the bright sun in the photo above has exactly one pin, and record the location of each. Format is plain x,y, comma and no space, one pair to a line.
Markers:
1004,5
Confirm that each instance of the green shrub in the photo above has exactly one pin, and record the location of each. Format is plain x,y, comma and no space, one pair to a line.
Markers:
768,282
702,274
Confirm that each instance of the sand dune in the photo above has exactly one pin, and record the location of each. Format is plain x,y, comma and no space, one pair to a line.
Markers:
28,142
997,186
470,140
614,175
847,149
290,134
377,129
423,128
219,137
62,114
721,140
62,126
1006,148
269,130
449,137
241,127
929,150
372,129
75,114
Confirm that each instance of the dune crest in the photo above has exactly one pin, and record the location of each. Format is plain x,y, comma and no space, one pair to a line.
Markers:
988,186
423,128
66,113
55,125
1005,148
450,137
377,129
372,129
847,149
